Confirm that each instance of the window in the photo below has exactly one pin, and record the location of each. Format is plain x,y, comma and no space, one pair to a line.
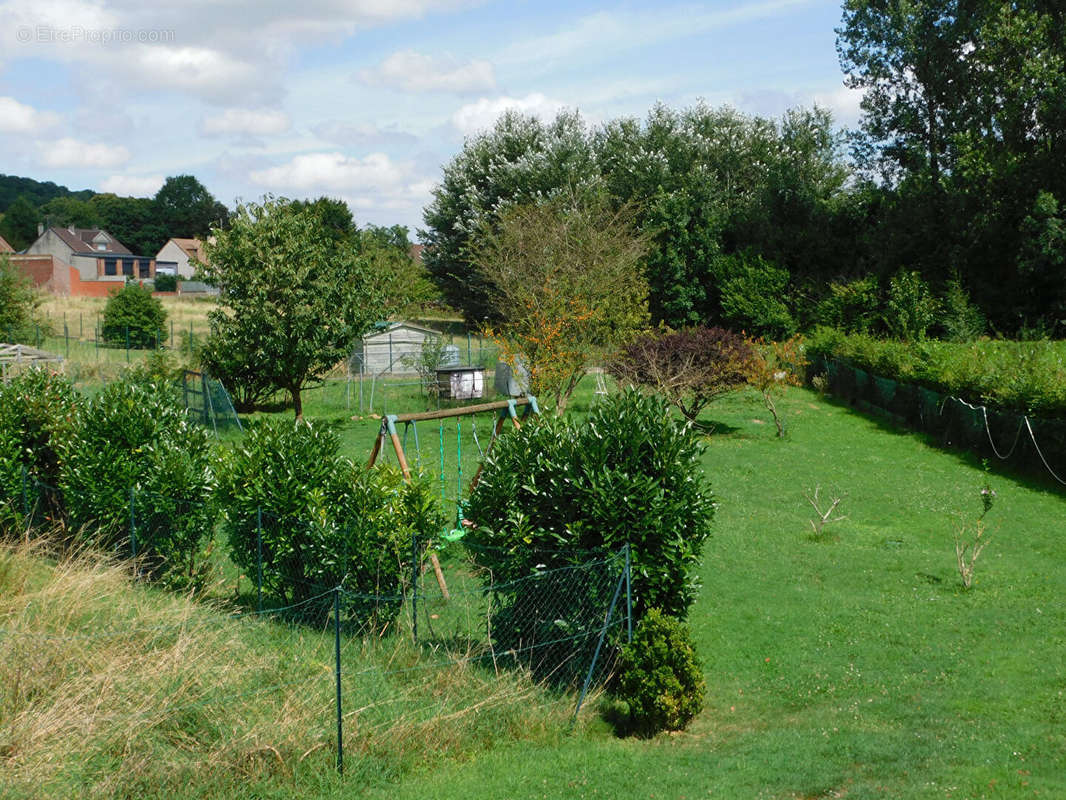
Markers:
101,247
111,266
127,268
142,269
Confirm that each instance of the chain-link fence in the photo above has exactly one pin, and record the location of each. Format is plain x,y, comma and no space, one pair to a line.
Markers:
1037,445
379,643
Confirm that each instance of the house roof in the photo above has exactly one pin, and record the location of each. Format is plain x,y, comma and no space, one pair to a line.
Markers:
416,252
5,247
81,240
385,328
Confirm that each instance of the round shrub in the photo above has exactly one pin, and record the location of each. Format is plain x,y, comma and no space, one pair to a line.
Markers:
660,679
133,445
165,283
34,408
559,493
324,521
133,309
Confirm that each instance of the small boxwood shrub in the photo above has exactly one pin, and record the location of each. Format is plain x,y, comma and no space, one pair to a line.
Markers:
135,438
557,490
660,683
34,408
325,521
133,309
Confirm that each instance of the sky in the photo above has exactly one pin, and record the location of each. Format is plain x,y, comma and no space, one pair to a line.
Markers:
366,100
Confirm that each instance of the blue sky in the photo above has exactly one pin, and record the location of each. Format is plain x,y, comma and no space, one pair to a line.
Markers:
367,99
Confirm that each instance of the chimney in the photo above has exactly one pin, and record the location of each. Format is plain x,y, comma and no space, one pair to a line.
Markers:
40,229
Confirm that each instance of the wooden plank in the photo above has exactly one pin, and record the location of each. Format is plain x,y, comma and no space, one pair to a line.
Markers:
444,413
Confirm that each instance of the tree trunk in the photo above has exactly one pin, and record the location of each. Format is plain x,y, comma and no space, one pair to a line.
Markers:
297,402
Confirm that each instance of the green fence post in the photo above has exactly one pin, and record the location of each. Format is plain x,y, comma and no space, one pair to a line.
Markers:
414,587
337,656
259,559
599,646
133,528
25,495
629,597
66,336
127,344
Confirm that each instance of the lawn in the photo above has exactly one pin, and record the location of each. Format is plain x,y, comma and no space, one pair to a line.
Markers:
851,665
847,665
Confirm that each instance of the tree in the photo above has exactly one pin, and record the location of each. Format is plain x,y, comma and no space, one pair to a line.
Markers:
183,207
19,225
130,220
568,283
521,160
292,304
18,303
132,317
69,210
404,280
691,368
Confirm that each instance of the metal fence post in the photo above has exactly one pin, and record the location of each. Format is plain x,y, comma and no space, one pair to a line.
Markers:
259,559
127,344
629,597
25,495
337,656
133,527
414,587
599,646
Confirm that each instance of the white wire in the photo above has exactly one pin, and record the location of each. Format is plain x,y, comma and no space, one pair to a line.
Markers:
1049,469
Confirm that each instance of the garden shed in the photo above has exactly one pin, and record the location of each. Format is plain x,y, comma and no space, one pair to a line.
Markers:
392,348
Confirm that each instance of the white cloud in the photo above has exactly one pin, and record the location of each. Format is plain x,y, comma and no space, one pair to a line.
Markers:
246,122
132,185
362,134
16,117
335,172
410,71
482,114
843,102
240,56
69,152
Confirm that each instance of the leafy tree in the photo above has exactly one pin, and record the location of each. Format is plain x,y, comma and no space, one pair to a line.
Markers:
132,315
18,303
1042,261
291,304
68,210
911,308
19,225
851,307
405,282
183,207
691,368
753,293
567,283
132,221
519,161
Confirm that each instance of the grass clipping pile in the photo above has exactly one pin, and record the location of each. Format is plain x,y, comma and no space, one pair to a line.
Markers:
109,689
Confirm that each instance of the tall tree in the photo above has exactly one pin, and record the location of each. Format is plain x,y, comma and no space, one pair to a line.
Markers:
568,284
19,225
131,220
184,208
291,304
520,160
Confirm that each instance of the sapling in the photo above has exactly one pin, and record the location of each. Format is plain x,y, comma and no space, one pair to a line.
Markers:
967,551
824,517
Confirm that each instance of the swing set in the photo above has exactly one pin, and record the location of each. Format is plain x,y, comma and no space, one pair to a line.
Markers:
505,410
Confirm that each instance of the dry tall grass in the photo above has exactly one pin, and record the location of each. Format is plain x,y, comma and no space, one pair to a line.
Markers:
110,689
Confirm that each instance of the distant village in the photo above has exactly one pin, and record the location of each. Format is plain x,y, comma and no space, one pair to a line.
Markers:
90,262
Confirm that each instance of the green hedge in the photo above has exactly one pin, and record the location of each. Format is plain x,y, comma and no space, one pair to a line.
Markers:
1026,377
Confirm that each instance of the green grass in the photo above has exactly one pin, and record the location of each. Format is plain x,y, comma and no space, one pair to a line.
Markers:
847,665
853,665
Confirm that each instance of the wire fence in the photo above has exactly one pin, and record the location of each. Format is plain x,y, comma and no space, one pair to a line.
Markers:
1037,445
375,646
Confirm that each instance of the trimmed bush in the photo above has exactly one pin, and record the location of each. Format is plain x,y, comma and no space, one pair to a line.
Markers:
1029,377
555,490
133,444
752,297
660,680
133,309
326,522
165,283
34,408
